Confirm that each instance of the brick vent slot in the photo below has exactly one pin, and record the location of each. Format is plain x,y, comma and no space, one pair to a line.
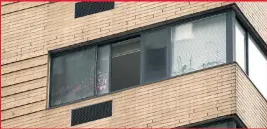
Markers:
88,8
91,113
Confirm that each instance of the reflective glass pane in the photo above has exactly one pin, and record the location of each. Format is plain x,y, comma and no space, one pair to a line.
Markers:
72,76
199,44
240,45
125,65
155,55
103,63
257,67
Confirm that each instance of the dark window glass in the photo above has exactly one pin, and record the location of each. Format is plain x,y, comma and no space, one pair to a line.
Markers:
73,76
87,8
125,65
219,124
103,63
155,55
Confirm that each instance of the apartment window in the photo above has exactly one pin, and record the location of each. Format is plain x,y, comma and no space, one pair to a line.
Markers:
72,76
240,45
94,71
257,67
125,64
155,55
88,8
199,44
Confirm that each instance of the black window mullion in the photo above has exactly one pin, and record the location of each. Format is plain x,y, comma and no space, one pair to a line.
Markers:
230,36
96,61
142,59
169,53
109,75
246,52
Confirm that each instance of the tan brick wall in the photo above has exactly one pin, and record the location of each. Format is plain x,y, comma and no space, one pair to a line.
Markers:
18,6
6,3
29,33
251,106
255,12
174,102
32,32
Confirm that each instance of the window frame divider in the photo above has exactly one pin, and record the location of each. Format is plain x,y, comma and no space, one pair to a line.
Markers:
230,37
96,62
246,53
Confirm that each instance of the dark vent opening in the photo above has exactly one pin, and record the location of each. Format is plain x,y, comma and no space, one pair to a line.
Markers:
88,8
91,113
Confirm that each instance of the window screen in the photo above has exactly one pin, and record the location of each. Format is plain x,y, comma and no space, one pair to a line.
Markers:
155,55
125,65
199,44
72,76
257,67
87,8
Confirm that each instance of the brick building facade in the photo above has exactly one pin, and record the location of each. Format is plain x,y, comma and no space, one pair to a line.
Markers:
38,36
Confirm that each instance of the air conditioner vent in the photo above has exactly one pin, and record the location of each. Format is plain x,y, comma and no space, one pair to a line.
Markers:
88,8
91,113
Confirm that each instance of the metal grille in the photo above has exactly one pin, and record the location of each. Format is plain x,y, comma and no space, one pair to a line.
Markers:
91,113
87,8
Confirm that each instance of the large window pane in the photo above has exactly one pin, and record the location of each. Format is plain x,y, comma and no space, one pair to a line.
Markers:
257,67
72,76
155,55
103,63
125,65
198,44
240,45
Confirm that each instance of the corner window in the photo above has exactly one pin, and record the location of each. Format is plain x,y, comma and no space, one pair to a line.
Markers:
72,76
199,44
257,67
88,8
157,54
240,45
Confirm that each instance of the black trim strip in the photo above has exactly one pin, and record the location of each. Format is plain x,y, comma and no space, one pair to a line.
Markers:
233,117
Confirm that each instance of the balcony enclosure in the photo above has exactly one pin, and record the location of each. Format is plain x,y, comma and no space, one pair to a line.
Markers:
154,55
